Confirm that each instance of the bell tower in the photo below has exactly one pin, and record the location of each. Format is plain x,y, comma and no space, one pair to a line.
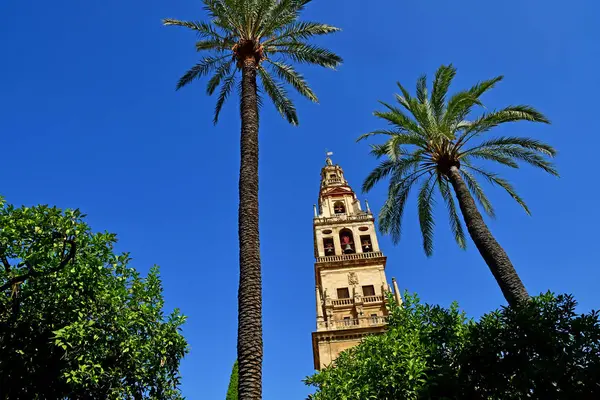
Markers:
349,270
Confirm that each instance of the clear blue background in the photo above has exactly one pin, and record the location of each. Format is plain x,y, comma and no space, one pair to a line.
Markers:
89,118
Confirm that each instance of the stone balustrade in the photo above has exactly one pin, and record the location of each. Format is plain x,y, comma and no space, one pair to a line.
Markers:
342,302
333,181
372,299
352,323
344,217
353,256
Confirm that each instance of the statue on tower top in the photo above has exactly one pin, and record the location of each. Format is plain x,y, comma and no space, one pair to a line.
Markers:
328,158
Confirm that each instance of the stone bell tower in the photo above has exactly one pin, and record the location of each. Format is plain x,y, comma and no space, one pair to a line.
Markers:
349,270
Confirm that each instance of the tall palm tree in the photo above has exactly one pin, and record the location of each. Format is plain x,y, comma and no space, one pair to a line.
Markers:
434,145
245,40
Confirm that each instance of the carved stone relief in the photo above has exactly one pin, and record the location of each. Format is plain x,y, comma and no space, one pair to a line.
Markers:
352,279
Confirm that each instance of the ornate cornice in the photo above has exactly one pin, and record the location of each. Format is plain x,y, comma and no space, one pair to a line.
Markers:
347,334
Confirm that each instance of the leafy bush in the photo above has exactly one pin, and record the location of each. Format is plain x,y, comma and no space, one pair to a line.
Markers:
75,321
541,350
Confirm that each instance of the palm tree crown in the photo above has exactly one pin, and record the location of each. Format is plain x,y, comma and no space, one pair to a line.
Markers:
431,134
268,31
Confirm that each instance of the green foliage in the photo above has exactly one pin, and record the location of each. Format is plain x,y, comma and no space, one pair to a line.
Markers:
543,348
75,320
275,37
397,364
540,350
232,390
430,134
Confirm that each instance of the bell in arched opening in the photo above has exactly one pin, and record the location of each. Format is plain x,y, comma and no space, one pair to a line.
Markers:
365,242
339,207
328,246
346,241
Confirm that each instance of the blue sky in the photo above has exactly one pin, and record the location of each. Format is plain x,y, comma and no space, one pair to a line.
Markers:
90,119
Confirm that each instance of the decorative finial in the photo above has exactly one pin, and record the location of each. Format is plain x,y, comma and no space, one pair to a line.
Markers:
396,292
328,155
367,205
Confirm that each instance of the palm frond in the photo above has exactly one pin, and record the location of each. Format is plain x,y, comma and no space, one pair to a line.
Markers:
399,168
480,88
283,13
288,74
530,151
390,216
248,10
441,83
399,119
432,123
507,114
226,87
221,72
396,147
491,155
422,109
405,94
425,205
378,150
225,14
379,173
414,106
386,132
494,179
495,118
392,150
477,192
306,54
459,106
199,70
202,29
526,143
455,224
301,30
214,44
260,16
279,96
529,157
406,138
422,89
403,102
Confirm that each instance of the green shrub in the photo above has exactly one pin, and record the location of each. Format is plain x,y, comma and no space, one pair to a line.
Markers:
541,350
232,390
75,320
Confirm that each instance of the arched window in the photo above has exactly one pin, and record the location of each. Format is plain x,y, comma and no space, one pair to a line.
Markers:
339,207
347,241
328,246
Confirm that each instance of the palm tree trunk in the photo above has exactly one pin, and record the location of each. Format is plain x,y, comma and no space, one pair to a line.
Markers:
493,254
250,345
